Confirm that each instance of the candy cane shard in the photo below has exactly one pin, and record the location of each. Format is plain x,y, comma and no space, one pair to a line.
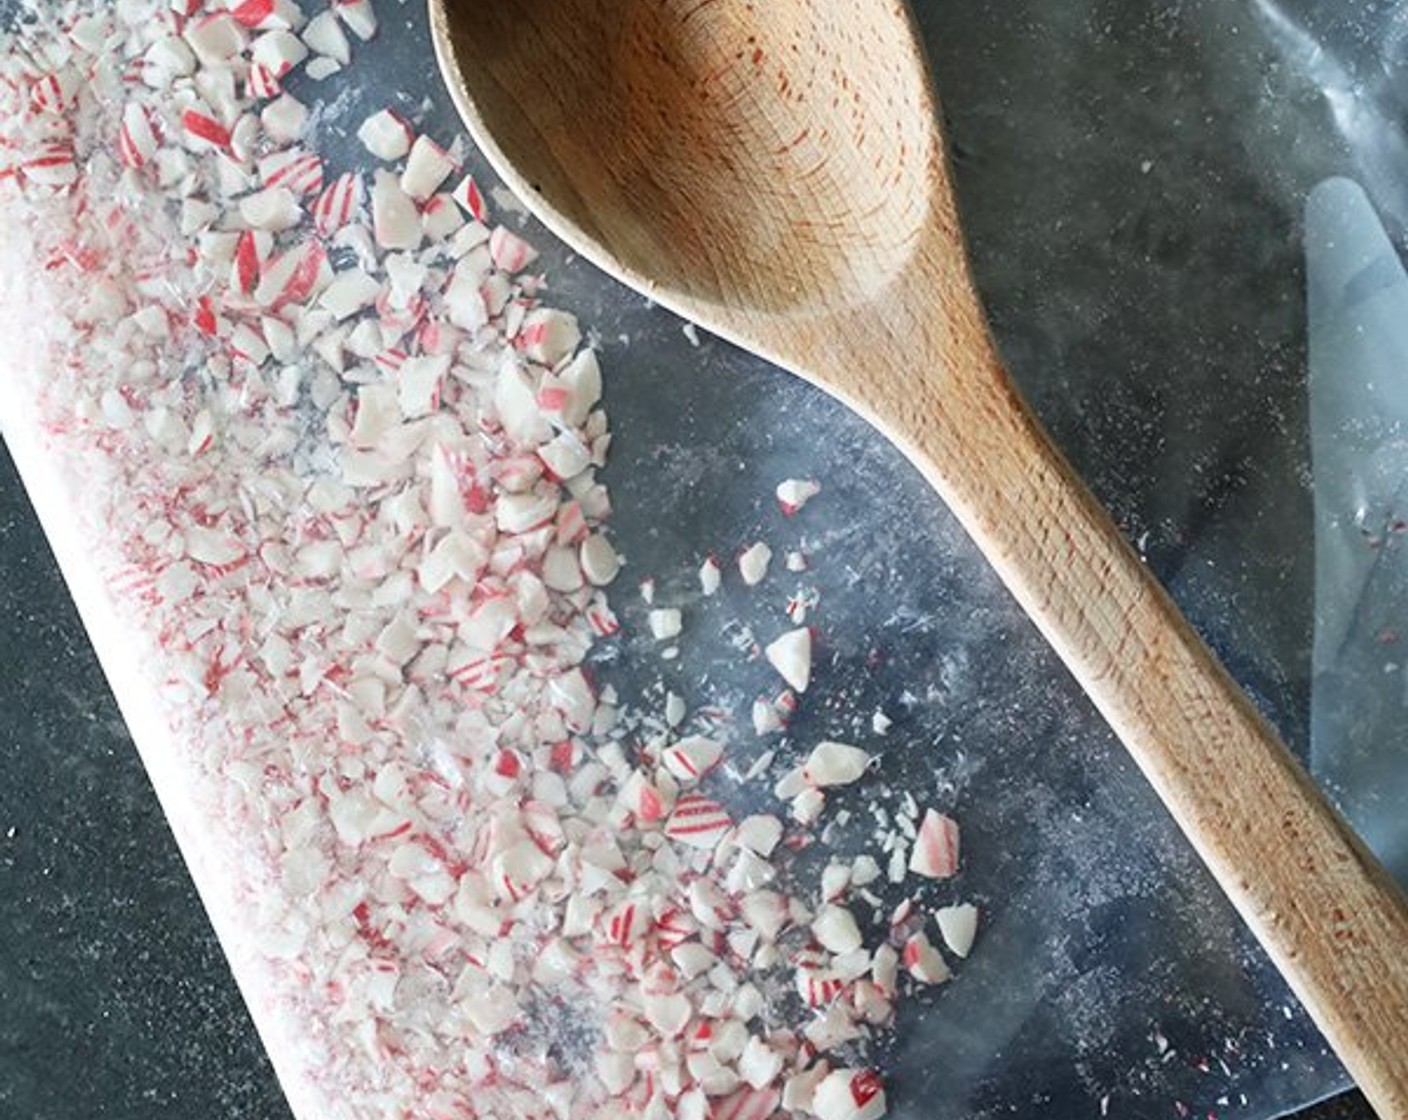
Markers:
791,655
935,854
849,1094
753,563
958,925
386,135
835,764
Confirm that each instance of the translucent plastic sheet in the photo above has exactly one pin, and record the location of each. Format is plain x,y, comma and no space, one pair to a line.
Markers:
1133,178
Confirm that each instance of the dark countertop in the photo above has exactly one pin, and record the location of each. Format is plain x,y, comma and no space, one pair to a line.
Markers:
118,1003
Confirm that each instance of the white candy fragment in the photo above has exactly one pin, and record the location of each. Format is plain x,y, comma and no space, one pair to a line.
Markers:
753,563
923,961
385,135
759,1064
395,219
427,167
349,292
710,576
807,806
791,656
835,929
359,16
794,493
600,564
759,834
274,209
284,119
849,1094
418,384
880,723
835,764
215,39
935,854
665,623
766,718
958,925
324,35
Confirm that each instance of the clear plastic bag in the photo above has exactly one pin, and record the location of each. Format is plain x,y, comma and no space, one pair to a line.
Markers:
1132,179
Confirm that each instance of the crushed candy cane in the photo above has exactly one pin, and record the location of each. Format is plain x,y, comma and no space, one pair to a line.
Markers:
337,464
753,563
958,925
791,655
794,493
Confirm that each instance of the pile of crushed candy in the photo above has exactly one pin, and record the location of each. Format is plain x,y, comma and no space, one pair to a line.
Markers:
336,464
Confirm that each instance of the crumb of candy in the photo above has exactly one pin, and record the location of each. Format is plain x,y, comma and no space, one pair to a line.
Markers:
791,655
958,925
834,764
665,623
753,563
794,493
710,576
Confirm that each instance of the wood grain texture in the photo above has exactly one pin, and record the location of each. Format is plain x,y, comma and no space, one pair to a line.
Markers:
775,172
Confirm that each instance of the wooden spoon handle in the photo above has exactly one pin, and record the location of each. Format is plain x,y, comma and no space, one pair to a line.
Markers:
1331,918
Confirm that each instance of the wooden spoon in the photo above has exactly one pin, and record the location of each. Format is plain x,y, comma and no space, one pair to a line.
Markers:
776,173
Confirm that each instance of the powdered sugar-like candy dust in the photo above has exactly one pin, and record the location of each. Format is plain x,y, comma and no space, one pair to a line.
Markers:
321,468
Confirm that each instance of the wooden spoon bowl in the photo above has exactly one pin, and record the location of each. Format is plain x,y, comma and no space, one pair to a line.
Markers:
775,172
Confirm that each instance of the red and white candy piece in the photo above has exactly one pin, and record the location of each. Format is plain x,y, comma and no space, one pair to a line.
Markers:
692,757
137,141
791,655
936,851
698,821
834,764
748,1103
427,166
710,576
386,135
468,196
277,51
548,335
923,961
849,1094
203,131
958,925
299,170
338,203
794,493
509,252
